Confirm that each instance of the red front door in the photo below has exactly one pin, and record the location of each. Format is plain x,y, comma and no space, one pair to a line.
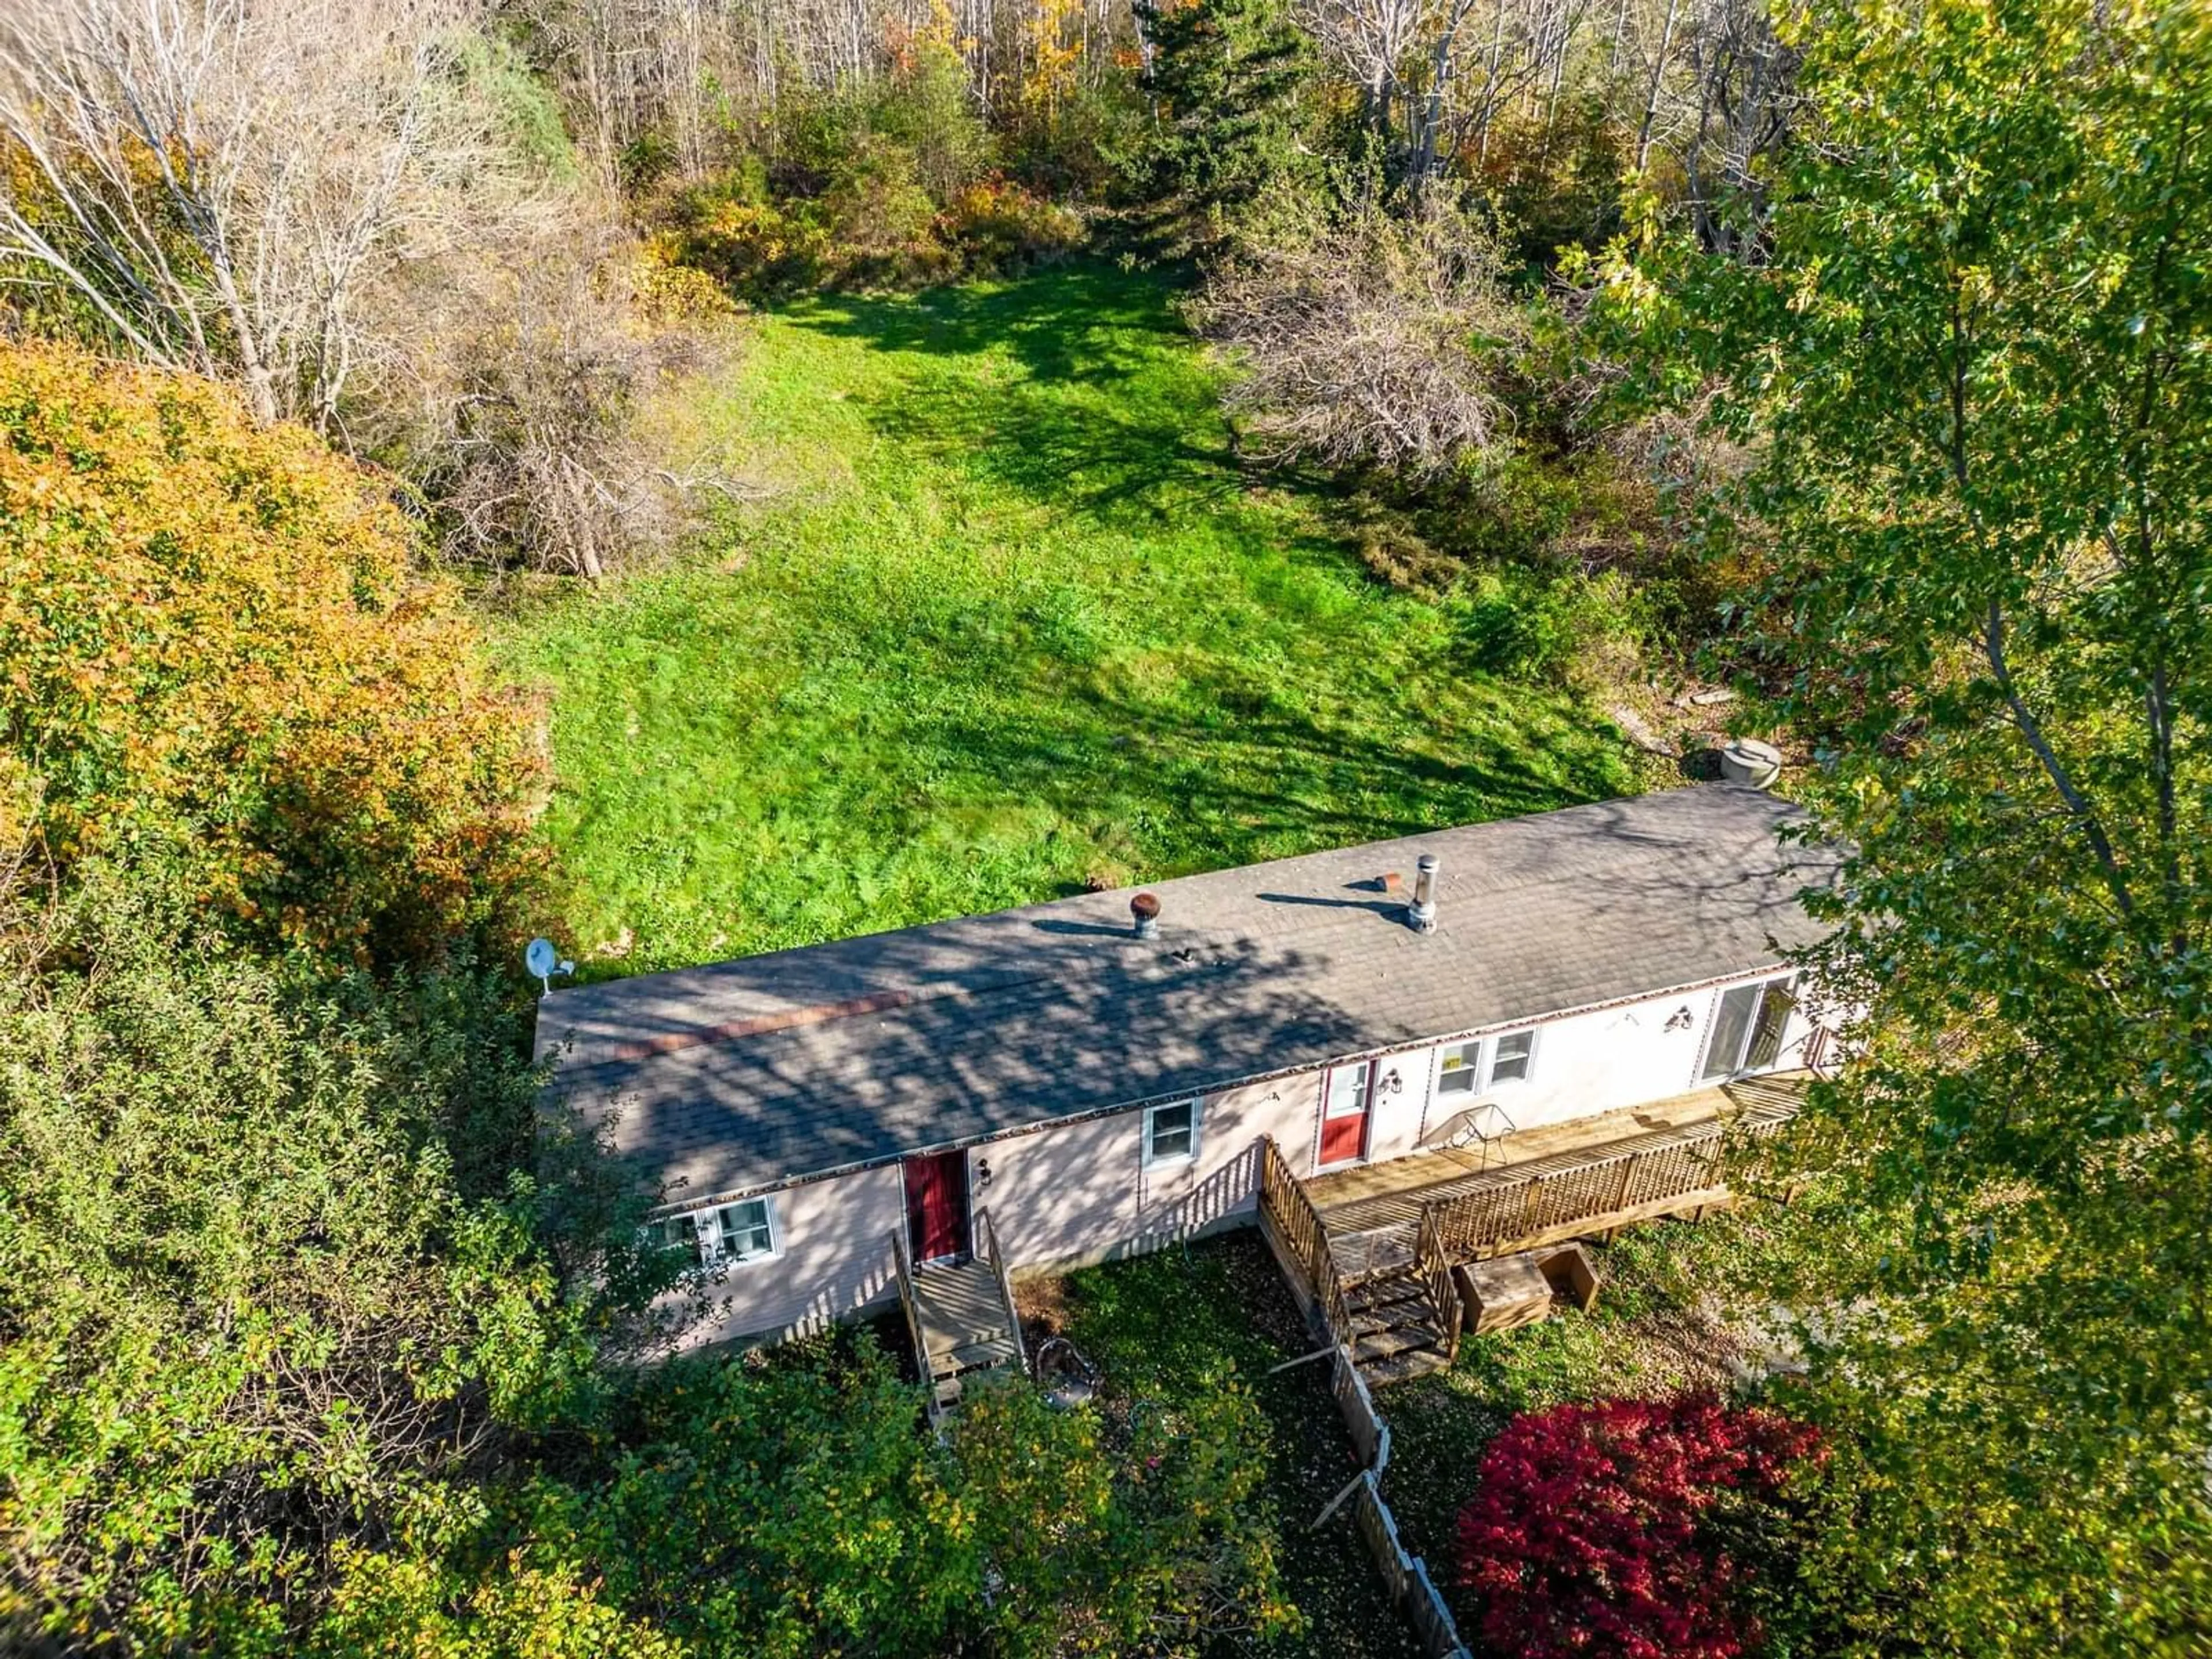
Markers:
1343,1114
937,1206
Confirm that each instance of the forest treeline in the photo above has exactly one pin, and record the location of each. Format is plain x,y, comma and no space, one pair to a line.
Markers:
1860,353
484,245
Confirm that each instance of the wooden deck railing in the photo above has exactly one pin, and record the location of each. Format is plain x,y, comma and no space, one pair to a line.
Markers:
1544,1201
1297,1224
1434,1263
989,1235
904,1269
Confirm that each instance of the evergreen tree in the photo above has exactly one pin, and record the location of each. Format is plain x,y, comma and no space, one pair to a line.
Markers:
1226,80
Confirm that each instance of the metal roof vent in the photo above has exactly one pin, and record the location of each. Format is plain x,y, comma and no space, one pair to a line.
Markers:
1145,907
1422,913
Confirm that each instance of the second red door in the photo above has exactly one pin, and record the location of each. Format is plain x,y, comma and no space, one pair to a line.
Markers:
1343,1114
937,1206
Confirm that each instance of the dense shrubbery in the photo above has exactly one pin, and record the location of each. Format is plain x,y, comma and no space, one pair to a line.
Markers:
274,1264
1635,1527
267,1282
317,1340
1362,339
797,1508
872,226
887,183
215,635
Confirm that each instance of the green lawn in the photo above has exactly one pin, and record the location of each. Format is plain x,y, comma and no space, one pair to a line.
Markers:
1013,619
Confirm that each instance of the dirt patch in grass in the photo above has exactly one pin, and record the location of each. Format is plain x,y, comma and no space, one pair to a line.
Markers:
1043,1306
1163,1325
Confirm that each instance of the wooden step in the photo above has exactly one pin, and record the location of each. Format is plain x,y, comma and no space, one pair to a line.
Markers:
1403,1367
988,1351
1401,1339
1402,1301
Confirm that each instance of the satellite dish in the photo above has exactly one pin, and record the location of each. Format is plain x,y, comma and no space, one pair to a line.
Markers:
544,962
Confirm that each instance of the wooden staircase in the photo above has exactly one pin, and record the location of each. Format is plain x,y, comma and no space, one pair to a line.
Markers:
1375,1271
1398,1313
1398,1328
961,1316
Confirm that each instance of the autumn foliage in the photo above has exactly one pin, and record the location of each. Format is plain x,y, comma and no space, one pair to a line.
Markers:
215,635
1607,1528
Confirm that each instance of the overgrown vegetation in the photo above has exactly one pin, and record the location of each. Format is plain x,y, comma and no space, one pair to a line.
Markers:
269,1285
876,184
1974,358
217,637
367,218
1641,1527
1204,1328
1871,376
317,1339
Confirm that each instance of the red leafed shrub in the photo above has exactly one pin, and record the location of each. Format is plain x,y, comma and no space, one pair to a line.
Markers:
1604,1530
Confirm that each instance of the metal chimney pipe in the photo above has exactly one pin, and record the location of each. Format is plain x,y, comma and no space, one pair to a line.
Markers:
1145,907
1423,913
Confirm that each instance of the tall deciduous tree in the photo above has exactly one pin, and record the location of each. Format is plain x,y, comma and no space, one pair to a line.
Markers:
218,183
1980,362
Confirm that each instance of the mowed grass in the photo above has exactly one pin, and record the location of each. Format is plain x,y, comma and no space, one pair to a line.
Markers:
1011,619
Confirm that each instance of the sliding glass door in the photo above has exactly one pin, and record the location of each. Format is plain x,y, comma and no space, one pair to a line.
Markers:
1748,1032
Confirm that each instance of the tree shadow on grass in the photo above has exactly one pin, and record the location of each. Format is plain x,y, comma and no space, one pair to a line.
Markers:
1256,783
1100,423
1071,325
1122,468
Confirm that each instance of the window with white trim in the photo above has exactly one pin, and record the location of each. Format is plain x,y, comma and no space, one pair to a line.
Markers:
1458,1068
1472,1068
747,1230
1512,1057
1171,1132
740,1232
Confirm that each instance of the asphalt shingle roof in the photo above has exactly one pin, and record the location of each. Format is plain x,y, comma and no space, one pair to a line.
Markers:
745,1074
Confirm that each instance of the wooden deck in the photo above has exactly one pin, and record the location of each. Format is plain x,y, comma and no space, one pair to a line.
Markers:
1587,1175
960,1315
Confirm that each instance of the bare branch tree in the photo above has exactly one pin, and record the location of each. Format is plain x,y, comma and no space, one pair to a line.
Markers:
216,181
1374,340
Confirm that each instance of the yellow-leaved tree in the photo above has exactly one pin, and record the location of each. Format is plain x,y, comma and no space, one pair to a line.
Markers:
216,635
